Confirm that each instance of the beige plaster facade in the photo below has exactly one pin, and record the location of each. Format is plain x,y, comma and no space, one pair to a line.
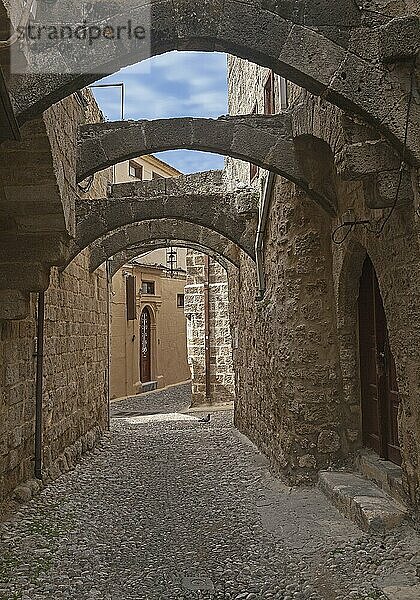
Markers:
164,270
168,348
143,168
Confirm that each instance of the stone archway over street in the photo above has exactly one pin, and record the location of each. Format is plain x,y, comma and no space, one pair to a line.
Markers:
129,241
317,46
201,199
266,141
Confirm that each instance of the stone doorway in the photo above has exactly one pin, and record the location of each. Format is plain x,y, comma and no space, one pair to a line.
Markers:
379,388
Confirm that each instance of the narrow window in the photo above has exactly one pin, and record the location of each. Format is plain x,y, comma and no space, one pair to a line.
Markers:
136,170
253,169
148,287
284,93
156,175
180,300
269,100
130,293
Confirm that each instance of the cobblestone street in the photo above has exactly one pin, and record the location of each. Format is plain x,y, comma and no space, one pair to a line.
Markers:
170,507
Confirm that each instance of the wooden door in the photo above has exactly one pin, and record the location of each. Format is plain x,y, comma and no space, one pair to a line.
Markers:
379,388
145,347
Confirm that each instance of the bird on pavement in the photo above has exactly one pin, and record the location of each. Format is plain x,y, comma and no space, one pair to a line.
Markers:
205,419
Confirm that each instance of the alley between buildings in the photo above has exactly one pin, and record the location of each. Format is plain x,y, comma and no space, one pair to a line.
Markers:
169,507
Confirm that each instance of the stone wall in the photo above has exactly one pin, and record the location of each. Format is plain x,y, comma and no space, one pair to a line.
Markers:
221,366
75,373
286,363
297,361
76,353
17,372
76,356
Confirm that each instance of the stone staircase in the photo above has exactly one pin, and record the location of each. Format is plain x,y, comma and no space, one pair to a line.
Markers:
372,498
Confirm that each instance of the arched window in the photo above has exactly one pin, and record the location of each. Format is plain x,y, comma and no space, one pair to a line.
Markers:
145,346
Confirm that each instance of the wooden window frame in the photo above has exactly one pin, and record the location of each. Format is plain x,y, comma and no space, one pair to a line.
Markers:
148,283
180,300
269,95
283,93
138,170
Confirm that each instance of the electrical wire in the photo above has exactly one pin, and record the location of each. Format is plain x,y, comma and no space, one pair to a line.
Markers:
350,226
403,153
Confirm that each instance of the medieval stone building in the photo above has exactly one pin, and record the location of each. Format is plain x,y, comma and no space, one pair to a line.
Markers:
319,237
209,339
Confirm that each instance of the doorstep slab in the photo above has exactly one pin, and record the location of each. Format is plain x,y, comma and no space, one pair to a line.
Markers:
362,501
150,386
383,473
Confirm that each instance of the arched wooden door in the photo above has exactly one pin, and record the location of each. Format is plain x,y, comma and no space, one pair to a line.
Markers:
145,346
379,387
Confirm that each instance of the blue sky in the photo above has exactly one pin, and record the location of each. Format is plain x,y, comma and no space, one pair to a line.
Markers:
176,84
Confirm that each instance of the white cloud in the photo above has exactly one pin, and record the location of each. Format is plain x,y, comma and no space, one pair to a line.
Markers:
172,85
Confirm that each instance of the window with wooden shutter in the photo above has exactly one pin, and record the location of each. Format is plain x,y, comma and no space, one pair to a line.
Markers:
283,93
269,100
130,291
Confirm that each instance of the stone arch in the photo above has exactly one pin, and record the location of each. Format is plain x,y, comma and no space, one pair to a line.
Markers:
317,163
266,141
302,43
200,199
160,233
353,259
121,258
322,120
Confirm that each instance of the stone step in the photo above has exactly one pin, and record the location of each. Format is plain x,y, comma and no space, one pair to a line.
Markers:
148,387
362,501
382,473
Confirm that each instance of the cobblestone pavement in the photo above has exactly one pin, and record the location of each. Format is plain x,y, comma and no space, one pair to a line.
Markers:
171,508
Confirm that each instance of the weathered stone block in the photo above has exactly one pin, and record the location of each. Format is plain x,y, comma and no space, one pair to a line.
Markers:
22,494
400,39
363,159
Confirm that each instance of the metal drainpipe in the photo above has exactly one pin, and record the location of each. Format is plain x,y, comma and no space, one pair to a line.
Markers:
108,349
262,223
207,323
39,384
